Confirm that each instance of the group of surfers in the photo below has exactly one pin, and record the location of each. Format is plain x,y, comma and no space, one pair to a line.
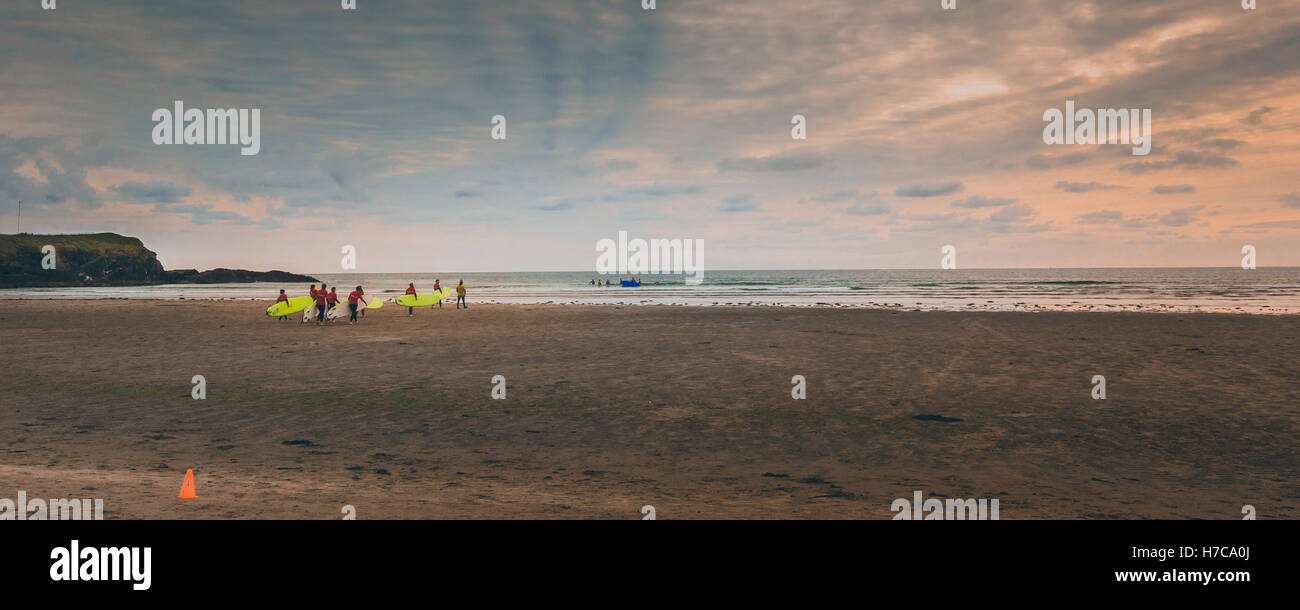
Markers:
326,298
437,287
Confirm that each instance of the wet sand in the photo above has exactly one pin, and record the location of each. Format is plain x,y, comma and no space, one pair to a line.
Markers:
611,408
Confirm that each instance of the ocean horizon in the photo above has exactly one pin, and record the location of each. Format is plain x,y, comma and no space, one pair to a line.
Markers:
1179,289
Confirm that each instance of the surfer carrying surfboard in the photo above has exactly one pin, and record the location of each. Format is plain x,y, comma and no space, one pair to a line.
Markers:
437,287
332,301
410,289
283,298
352,303
322,304
312,293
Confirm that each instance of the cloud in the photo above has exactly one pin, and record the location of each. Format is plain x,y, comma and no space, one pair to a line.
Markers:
936,189
1256,116
868,209
740,203
1223,143
1188,159
1175,218
1013,213
775,163
56,174
836,197
1085,187
1180,217
1041,161
863,204
1015,219
1272,224
922,223
1290,200
1100,217
465,194
662,190
205,214
979,201
1173,189
1139,223
619,165
557,206
1018,227
151,192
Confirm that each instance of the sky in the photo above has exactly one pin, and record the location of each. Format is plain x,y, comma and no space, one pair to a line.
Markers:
924,128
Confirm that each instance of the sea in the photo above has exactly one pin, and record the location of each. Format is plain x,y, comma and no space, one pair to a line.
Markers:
1233,290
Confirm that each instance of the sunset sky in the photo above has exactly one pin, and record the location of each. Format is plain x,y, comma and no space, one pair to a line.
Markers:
924,129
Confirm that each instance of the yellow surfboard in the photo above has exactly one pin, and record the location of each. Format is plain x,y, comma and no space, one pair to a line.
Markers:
293,305
342,309
421,300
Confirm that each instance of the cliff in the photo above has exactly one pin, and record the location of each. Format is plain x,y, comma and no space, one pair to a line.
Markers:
106,259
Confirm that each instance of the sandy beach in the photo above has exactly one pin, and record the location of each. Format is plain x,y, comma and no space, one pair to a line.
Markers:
611,408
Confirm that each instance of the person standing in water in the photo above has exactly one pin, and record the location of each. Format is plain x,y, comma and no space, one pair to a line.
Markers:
353,300
281,299
437,287
410,289
460,295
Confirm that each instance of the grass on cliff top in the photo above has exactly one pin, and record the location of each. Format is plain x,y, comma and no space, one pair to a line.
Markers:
105,242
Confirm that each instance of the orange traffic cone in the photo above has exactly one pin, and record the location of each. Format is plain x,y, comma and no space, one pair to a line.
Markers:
187,488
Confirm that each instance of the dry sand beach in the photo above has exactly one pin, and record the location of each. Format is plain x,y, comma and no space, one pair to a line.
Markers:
612,408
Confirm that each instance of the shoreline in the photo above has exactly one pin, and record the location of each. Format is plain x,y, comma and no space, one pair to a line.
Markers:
1100,308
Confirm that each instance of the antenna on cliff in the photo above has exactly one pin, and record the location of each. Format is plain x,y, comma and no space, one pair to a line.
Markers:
20,216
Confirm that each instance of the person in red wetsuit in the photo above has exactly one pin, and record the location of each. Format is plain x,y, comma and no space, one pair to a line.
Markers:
410,289
330,302
282,298
354,299
312,293
437,286
322,304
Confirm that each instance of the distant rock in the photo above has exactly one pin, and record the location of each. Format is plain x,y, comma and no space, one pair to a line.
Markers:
233,276
107,259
